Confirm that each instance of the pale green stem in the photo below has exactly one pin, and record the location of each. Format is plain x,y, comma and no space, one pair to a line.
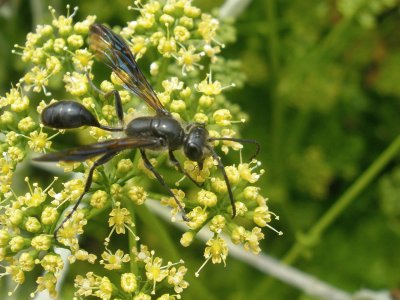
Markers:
332,214
133,244
347,198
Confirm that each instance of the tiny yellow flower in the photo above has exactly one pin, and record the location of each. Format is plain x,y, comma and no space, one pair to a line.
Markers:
187,238
106,86
17,243
197,217
124,166
82,59
207,198
166,19
38,141
75,41
175,278
208,27
26,261
181,34
129,282
76,84
206,101
137,194
219,185
251,193
83,27
217,250
4,237
222,117
49,215
26,124
52,263
98,199
262,216
167,46
246,173
138,47
233,174
119,219
47,282
177,106
53,65
217,224
155,272
16,217
59,45
105,289
114,261
252,240
32,224
238,235
200,118
41,242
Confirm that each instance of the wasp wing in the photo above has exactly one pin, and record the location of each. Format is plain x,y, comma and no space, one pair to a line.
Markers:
115,53
85,152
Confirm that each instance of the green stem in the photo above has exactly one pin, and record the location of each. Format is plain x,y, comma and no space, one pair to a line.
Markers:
132,239
347,198
332,214
162,73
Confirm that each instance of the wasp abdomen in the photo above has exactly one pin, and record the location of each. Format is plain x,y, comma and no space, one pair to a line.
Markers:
68,114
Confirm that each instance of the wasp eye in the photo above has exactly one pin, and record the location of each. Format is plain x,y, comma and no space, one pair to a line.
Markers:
194,152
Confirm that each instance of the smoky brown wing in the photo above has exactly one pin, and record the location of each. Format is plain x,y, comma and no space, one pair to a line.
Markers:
85,152
114,52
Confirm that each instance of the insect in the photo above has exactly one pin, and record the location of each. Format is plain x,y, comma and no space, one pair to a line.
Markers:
159,132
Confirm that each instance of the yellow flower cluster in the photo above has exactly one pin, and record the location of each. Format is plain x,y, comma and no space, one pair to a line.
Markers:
133,285
186,47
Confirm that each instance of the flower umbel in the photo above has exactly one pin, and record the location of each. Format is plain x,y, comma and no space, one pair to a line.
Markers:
178,47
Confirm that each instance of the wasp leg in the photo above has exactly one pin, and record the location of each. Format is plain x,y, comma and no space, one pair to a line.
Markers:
117,99
149,166
177,164
228,185
102,160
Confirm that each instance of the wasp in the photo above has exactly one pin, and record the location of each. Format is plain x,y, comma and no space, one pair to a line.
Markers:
158,132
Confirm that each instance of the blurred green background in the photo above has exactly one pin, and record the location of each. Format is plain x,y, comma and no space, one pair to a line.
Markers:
323,96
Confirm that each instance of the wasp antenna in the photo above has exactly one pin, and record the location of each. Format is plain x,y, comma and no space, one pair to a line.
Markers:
228,185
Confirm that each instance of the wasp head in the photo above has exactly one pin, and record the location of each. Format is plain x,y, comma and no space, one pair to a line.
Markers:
195,143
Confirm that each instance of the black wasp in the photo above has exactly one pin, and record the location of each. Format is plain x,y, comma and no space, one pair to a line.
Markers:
159,132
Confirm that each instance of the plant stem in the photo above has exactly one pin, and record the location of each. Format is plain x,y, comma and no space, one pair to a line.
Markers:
347,198
233,8
332,214
132,239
